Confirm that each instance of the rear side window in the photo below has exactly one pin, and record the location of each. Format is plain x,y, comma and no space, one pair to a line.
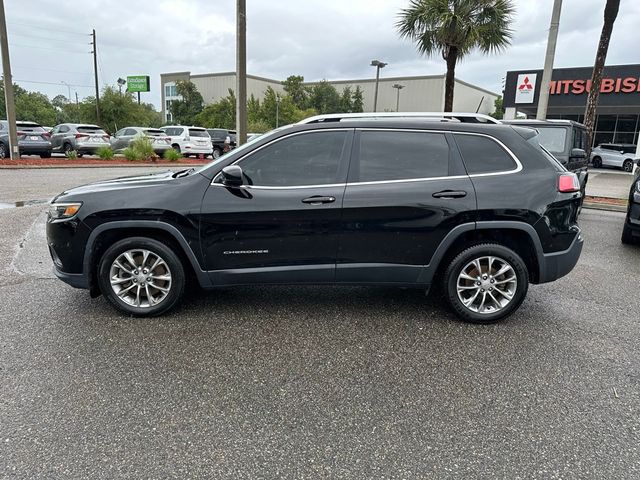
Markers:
483,155
173,131
398,155
194,132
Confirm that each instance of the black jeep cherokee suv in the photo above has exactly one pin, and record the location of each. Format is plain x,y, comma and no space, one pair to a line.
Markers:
481,209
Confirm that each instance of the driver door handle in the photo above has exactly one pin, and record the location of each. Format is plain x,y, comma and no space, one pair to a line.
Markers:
450,194
318,200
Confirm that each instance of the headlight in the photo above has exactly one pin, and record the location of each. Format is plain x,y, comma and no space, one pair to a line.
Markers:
58,211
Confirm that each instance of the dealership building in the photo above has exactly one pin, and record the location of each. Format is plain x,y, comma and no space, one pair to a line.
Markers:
618,109
417,93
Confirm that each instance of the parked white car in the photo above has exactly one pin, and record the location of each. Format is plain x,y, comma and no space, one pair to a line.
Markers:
619,155
189,140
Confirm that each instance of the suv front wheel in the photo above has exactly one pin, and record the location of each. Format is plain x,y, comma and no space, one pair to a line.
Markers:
486,283
141,276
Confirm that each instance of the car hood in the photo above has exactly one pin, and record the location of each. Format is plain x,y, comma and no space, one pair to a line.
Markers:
123,183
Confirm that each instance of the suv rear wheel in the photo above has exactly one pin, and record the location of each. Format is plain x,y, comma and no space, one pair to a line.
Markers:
627,166
141,276
486,283
597,162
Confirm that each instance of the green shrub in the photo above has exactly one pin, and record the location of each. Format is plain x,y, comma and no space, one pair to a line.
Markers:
144,148
72,155
105,153
171,155
131,154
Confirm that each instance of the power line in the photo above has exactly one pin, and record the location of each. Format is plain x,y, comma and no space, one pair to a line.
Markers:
52,83
62,29
13,34
46,48
52,70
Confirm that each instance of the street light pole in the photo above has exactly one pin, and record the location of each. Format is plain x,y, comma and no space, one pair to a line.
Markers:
68,90
543,99
398,87
378,64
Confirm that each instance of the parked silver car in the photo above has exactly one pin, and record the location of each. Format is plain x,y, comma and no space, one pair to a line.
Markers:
32,139
123,138
83,138
619,155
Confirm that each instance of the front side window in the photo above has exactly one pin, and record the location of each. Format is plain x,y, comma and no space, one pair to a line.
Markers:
129,132
485,155
401,155
64,129
297,160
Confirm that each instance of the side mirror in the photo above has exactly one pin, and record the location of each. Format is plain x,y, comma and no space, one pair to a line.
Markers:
578,153
232,176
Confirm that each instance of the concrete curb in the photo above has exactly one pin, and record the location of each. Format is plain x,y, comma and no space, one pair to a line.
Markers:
604,206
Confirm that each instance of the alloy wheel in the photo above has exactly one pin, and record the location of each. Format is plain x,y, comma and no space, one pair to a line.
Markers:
140,278
486,284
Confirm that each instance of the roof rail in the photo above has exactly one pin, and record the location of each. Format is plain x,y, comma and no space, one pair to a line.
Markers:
460,116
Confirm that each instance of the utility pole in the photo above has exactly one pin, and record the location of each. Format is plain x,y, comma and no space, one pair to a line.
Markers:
277,110
398,87
95,73
543,99
378,64
14,154
77,108
241,72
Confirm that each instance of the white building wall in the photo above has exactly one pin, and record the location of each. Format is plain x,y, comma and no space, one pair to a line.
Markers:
467,98
216,86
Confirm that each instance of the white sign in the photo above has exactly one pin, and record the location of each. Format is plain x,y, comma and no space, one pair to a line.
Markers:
525,87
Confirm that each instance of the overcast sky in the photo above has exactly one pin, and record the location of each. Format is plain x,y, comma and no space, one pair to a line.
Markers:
332,39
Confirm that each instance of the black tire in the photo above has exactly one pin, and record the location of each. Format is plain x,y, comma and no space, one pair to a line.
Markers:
66,148
597,162
45,155
627,165
627,236
502,253
176,273
176,147
3,150
217,152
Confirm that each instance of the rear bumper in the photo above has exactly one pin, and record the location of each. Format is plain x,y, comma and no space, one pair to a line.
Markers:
76,280
558,264
90,147
34,147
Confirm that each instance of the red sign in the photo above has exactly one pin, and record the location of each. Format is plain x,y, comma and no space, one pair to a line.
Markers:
526,84
608,85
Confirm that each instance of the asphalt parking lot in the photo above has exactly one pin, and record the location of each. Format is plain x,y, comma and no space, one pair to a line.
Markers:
314,382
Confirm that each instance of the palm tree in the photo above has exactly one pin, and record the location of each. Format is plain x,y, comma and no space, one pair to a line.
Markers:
610,14
454,28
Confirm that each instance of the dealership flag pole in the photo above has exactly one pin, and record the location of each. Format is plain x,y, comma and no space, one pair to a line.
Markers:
8,87
543,99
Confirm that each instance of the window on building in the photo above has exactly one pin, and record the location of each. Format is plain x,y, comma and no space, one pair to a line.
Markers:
170,91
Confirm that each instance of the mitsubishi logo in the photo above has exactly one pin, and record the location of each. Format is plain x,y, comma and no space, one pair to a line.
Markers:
525,84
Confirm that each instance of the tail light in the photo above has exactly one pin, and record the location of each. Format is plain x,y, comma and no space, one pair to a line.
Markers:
21,134
568,183
46,135
106,138
82,135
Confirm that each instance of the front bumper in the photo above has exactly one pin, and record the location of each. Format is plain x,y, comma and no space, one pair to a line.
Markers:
76,280
558,264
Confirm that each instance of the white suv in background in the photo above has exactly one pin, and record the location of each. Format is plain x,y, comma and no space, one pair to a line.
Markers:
189,140
619,155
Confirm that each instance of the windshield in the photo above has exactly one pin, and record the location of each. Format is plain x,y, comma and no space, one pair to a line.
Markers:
553,138
241,148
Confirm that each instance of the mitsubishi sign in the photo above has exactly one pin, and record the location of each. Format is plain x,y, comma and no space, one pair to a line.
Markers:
525,87
569,87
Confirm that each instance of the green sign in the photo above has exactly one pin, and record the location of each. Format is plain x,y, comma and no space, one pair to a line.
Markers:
139,83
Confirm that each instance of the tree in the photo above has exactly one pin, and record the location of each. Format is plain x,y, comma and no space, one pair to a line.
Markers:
35,107
221,114
116,111
454,28
298,92
358,101
324,98
184,111
346,100
610,14
498,111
